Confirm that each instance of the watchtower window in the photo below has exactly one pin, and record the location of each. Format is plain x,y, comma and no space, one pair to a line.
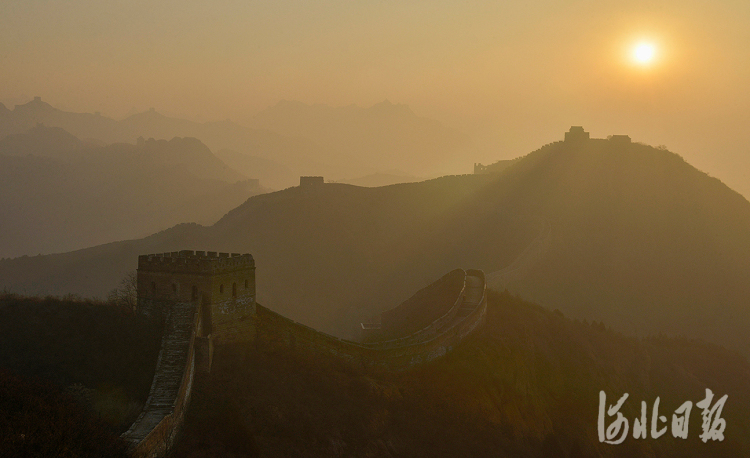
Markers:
245,284
174,287
234,289
194,296
221,289
153,287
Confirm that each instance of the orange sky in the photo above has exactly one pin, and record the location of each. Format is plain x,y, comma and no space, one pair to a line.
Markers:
514,75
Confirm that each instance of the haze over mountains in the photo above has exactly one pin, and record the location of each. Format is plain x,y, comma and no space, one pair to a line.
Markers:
632,235
58,193
383,136
338,143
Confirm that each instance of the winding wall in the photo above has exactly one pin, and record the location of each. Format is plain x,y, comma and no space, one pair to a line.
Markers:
424,345
185,350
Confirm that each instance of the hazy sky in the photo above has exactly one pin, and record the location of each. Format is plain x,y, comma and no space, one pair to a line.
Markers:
513,74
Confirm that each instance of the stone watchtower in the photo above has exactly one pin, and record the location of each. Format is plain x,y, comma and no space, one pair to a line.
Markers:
223,284
576,134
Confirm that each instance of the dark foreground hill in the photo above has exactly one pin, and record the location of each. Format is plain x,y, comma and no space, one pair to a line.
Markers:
58,193
624,233
526,385
101,353
40,419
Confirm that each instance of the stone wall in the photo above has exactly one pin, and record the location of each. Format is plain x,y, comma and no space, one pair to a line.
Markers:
156,429
226,280
416,315
187,348
274,330
230,311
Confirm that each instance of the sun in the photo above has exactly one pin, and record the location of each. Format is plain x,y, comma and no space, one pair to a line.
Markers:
644,53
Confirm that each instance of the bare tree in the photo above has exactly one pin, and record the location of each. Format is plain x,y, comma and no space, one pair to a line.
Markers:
126,294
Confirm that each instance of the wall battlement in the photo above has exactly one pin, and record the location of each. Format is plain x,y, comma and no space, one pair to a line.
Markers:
195,261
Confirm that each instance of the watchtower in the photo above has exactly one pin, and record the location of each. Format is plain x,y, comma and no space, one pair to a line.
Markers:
576,134
620,139
222,283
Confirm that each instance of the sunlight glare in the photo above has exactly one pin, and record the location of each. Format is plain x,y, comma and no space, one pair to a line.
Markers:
644,53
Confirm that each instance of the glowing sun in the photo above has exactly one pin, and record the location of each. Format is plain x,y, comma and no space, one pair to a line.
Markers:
644,53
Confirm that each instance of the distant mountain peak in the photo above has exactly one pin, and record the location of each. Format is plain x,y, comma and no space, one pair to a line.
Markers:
387,107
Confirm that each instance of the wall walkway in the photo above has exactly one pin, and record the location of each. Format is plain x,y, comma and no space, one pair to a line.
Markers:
156,428
424,345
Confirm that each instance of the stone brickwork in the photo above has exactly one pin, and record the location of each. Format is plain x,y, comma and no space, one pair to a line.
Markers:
226,280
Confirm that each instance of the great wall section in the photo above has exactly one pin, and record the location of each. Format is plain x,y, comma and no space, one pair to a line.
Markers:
207,299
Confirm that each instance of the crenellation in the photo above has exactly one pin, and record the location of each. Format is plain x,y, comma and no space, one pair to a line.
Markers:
192,261
227,283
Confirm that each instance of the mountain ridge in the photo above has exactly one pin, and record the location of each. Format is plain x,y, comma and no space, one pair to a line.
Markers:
69,194
394,135
638,238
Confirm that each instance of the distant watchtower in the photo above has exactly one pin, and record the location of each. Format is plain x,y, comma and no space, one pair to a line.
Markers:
223,284
619,139
576,134
480,169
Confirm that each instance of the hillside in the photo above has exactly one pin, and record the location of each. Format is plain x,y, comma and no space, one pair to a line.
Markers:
44,141
632,235
526,385
60,195
381,179
40,419
659,245
102,353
